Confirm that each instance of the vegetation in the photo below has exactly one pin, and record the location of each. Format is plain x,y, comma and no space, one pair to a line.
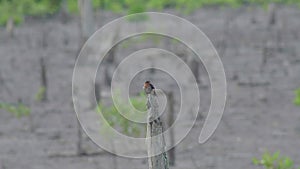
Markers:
18,110
18,9
274,161
117,121
297,97
41,94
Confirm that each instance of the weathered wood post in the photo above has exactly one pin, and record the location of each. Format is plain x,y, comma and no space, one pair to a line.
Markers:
44,82
157,156
171,152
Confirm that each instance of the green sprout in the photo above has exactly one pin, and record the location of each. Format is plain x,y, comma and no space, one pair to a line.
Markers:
274,161
18,110
297,97
40,95
114,119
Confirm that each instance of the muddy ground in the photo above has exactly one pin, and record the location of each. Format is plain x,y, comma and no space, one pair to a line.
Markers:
262,64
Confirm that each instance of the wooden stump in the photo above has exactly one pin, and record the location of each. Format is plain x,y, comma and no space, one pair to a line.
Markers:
157,156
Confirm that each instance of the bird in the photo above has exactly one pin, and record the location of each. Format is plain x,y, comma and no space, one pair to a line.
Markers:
149,88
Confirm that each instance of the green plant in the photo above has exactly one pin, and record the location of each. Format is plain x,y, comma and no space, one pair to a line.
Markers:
297,97
274,161
114,119
18,110
72,6
40,95
10,10
16,9
144,38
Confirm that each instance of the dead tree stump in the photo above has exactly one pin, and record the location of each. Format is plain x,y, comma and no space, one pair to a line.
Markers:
44,82
157,156
171,152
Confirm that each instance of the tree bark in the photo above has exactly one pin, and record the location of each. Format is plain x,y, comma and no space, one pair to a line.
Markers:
80,150
171,152
194,65
157,156
64,11
10,26
44,83
272,14
97,92
86,29
87,22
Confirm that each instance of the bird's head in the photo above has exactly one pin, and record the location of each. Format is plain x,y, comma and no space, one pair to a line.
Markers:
146,84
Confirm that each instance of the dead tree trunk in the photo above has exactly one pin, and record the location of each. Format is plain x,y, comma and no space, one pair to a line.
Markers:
64,11
87,23
80,150
114,156
10,26
112,53
86,19
97,92
43,66
272,14
171,152
194,65
43,79
86,29
268,49
157,156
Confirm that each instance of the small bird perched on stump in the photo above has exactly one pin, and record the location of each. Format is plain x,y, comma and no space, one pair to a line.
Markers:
155,133
149,88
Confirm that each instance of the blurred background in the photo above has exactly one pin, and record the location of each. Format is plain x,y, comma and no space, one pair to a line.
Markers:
258,42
